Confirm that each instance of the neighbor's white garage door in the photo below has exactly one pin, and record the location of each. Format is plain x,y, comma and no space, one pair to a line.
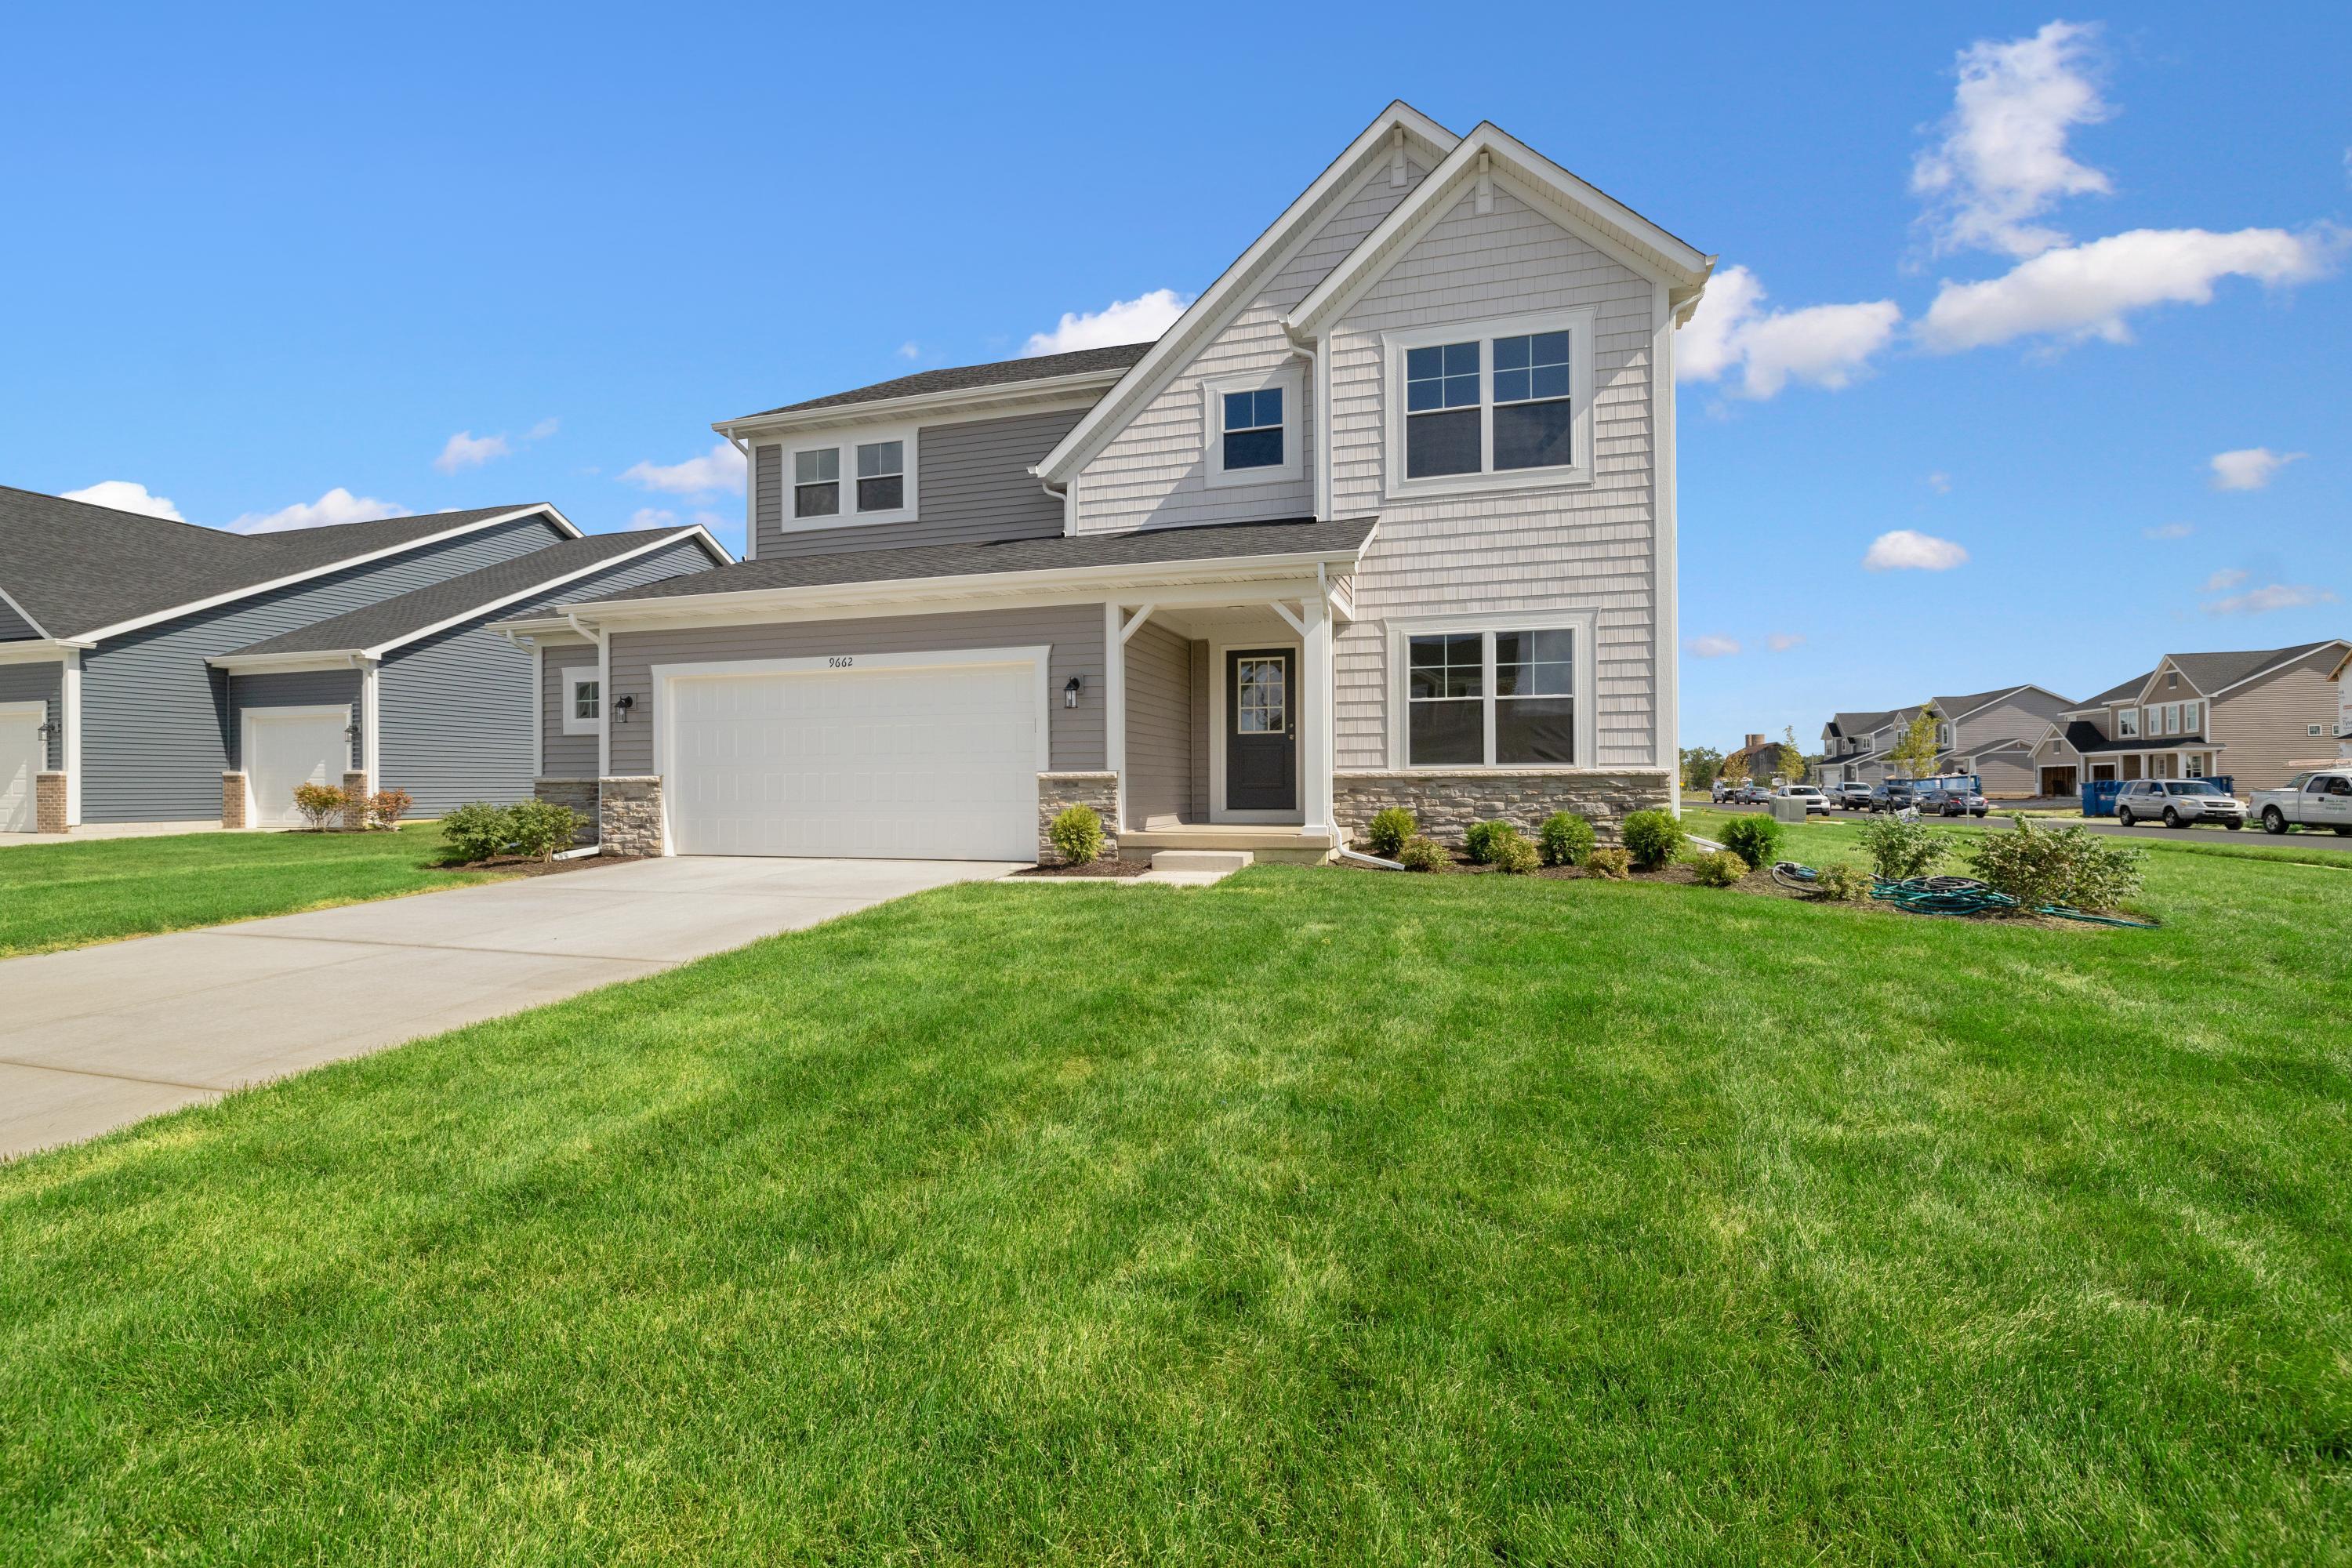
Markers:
936,762
289,746
23,756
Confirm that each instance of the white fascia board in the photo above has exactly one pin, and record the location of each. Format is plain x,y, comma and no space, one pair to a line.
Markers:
1595,217
1000,397
1956,718
23,614
2283,664
234,595
285,663
1225,298
38,650
550,629
695,533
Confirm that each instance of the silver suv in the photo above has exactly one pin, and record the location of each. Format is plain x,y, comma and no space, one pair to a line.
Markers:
2179,803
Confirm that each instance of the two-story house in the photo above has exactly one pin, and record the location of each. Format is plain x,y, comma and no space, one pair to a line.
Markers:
1387,517
156,672
1990,734
2249,716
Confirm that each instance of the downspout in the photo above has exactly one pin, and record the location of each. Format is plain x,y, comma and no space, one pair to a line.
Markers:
1312,353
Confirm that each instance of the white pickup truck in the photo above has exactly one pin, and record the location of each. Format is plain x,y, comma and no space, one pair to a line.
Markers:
2313,800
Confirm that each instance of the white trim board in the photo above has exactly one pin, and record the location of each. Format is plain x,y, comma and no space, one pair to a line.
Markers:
1576,474
1585,679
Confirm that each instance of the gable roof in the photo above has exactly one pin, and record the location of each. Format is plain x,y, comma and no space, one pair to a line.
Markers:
1239,283
967,378
79,571
2118,693
1490,151
1858,724
374,628
1956,708
2214,673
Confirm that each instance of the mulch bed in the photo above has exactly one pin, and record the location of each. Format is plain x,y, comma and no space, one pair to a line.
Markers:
1107,870
517,866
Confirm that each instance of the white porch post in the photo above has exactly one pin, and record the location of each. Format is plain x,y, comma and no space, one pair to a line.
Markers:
1316,693
1115,709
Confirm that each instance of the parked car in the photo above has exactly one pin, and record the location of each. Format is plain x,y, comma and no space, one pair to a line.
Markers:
1898,795
1943,802
1852,796
1755,794
2179,803
1813,798
2312,801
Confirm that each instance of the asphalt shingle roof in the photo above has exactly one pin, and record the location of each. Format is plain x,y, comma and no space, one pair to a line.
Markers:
968,378
2210,672
1953,707
1229,540
75,567
389,620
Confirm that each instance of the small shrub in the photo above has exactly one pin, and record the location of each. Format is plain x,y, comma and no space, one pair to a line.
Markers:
386,807
1653,838
1564,839
477,831
1755,839
317,802
1900,850
1843,881
1389,831
1513,856
1718,869
1479,841
1421,855
2038,866
1078,834
538,828
1609,863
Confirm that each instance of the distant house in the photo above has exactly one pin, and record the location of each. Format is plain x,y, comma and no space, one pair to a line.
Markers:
2252,716
2342,677
158,671
1990,734
1759,756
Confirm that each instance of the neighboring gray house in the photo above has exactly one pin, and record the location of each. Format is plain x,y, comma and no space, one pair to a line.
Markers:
2254,716
1990,734
157,671
1386,518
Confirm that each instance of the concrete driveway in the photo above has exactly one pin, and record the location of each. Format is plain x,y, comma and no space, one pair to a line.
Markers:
102,1036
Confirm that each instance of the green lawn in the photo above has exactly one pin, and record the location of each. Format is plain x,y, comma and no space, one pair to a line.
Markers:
1318,1217
70,895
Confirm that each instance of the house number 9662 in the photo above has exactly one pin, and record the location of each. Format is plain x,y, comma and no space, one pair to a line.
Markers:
839,661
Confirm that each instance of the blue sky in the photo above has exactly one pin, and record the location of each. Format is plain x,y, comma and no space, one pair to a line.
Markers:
280,266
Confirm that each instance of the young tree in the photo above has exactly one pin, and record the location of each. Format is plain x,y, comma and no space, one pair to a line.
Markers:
1700,764
1917,750
1792,755
1734,771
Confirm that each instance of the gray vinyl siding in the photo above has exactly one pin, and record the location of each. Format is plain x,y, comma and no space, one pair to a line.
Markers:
562,756
290,689
14,626
457,708
156,731
1074,631
2022,717
39,683
972,486
1159,727
1200,676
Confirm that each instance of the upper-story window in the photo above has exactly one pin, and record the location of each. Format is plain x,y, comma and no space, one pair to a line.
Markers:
1491,404
2127,722
852,480
1944,735
1251,435
2191,718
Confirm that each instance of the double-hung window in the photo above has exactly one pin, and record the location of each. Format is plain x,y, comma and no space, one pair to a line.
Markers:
1503,697
816,482
1250,434
1253,429
881,476
2191,718
854,480
1491,404
2127,723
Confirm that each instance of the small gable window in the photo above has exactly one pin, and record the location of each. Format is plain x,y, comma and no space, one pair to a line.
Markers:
1497,404
881,476
1249,432
1254,428
816,482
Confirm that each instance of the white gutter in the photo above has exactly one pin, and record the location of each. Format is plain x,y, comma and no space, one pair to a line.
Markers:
896,409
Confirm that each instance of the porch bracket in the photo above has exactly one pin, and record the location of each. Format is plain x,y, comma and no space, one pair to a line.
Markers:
1297,621
1135,622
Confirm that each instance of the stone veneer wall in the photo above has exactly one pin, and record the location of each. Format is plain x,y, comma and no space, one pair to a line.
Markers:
49,803
232,800
1447,803
581,795
1057,792
629,815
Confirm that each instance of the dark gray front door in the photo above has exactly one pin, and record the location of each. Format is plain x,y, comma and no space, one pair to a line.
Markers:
1262,730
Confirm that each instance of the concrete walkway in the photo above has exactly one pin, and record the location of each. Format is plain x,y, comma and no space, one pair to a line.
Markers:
99,1037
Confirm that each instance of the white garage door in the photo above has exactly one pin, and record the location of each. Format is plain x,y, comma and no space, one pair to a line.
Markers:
289,746
23,755
930,763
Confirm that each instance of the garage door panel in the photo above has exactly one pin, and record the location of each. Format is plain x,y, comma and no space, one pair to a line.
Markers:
283,751
938,762
23,755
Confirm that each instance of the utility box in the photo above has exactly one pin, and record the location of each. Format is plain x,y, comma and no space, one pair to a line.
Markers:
1785,810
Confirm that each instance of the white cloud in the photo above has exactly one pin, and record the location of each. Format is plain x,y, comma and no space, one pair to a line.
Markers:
653,516
910,350
468,450
1136,321
128,494
1781,642
2084,290
544,428
2168,531
1908,550
2228,577
1940,482
1712,646
2003,162
338,505
1823,345
2274,596
2250,468
721,468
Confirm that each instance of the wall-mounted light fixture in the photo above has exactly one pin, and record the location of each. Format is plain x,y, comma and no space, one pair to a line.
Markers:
620,706
351,733
1070,692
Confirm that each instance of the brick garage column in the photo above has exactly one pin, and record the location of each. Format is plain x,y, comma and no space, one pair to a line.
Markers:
1058,791
629,815
581,795
233,800
50,794
355,802
1446,803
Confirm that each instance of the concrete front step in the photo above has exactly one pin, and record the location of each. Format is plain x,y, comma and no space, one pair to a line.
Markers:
1292,845
1218,860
